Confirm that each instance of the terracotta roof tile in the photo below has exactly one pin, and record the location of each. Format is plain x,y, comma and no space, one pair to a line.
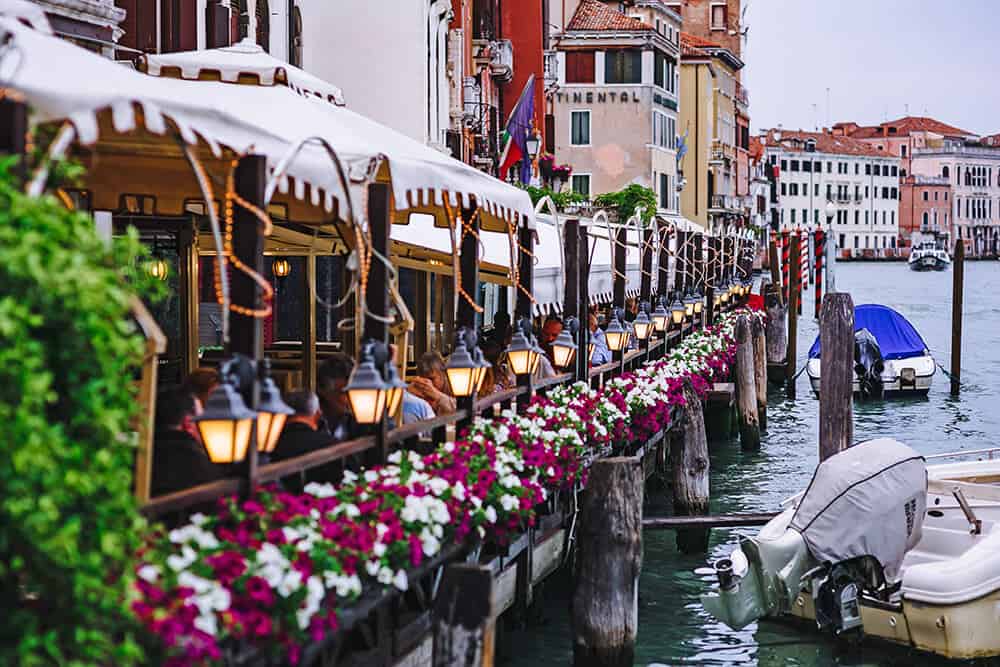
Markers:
756,148
698,42
990,140
795,140
594,15
906,125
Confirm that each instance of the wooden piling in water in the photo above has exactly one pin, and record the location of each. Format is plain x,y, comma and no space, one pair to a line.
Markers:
793,315
604,611
957,295
836,394
746,386
760,370
689,457
464,622
776,337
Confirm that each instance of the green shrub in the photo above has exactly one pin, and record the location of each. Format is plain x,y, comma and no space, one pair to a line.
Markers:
630,200
69,356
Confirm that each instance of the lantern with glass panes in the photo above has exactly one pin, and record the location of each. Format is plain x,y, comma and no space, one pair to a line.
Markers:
677,310
661,316
522,353
643,325
462,370
367,391
564,346
616,335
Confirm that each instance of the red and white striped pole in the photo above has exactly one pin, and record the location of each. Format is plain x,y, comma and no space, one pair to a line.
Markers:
784,264
820,248
803,264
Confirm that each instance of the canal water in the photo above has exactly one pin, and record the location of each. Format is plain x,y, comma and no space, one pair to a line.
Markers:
673,627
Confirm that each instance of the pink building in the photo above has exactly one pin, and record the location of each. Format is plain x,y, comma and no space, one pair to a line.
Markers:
924,210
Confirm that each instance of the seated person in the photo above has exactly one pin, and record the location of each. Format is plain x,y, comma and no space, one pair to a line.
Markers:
498,376
550,331
431,383
501,331
332,377
602,354
201,382
415,409
302,435
179,460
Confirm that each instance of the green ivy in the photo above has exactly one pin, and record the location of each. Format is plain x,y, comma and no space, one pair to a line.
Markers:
630,200
69,359
560,199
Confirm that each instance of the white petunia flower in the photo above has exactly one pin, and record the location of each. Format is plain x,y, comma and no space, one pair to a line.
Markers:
148,573
401,581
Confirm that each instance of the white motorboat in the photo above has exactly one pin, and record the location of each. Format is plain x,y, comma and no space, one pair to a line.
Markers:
890,357
928,257
880,545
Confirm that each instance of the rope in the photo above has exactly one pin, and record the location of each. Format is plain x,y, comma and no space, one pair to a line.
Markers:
455,261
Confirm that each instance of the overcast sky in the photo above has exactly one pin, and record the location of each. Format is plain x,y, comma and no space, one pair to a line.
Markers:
939,57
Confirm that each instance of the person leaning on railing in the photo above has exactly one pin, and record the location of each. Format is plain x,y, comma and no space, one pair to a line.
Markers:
431,383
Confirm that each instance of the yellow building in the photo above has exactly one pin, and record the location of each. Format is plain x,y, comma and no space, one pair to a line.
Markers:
709,130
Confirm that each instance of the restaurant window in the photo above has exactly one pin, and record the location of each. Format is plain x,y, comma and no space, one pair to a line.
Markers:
579,128
580,183
623,66
580,67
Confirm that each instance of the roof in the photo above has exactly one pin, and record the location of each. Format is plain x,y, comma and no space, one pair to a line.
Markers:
990,139
795,140
694,46
698,42
904,127
595,15
756,148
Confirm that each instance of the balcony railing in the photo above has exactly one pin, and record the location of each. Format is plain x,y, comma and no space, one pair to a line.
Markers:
742,95
551,63
954,149
724,203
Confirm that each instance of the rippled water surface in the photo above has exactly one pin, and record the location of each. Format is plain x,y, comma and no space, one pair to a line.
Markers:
673,628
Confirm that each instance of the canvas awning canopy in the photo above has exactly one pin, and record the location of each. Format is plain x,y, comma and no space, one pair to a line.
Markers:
136,118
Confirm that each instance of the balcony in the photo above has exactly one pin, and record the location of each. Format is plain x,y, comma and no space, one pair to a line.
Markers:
959,149
919,179
495,55
551,69
723,204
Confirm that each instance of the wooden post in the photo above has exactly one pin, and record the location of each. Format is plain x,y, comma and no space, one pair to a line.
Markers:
522,302
377,294
776,336
663,263
309,324
746,386
604,608
775,263
957,285
760,370
467,315
836,395
793,314
689,454
422,311
583,297
247,332
819,247
646,273
620,267
709,306
464,622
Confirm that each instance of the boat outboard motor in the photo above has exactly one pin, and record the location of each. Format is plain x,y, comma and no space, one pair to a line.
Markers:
868,365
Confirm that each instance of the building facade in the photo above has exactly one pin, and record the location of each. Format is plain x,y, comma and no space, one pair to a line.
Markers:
924,210
615,107
973,170
862,182
709,129
717,21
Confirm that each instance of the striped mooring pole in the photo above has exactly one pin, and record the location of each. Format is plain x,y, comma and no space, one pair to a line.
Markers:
785,248
820,248
803,264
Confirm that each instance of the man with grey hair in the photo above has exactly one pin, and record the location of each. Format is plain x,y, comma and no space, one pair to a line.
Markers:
302,435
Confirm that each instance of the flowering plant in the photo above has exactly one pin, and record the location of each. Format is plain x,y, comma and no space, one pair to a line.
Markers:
271,570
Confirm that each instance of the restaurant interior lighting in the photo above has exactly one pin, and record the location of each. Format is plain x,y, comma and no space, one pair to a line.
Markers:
281,268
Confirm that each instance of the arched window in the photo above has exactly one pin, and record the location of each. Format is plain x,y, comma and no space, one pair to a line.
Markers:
263,17
926,220
945,173
295,43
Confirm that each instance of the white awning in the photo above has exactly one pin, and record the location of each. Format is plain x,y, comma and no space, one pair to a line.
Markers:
64,82
233,63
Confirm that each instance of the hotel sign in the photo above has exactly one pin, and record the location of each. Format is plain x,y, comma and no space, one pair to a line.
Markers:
606,97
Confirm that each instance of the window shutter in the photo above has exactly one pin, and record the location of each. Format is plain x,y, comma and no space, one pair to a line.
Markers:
580,67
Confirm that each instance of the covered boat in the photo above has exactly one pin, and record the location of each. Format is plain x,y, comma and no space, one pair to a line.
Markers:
879,545
891,358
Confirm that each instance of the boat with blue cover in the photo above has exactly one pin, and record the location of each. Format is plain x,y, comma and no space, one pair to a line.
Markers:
890,357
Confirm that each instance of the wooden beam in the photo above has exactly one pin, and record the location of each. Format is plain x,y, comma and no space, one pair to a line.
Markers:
716,521
957,291
464,617
583,298
522,303
746,386
467,316
646,264
309,324
423,314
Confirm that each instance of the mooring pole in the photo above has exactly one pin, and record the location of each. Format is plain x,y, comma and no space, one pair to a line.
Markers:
604,613
746,386
836,393
820,246
958,280
464,624
760,370
785,252
774,262
689,456
793,315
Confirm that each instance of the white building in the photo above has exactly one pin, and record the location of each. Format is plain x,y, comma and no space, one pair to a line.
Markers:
862,182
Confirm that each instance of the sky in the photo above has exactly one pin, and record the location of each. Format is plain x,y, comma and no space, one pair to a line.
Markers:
876,57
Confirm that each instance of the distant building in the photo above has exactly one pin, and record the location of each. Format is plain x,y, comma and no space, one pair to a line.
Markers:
924,210
712,195
762,180
902,136
93,24
615,106
861,181
717,21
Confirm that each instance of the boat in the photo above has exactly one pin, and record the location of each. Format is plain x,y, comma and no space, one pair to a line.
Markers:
891,359
928,257
880,545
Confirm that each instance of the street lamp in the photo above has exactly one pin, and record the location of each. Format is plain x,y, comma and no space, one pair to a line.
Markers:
522,353
689,302
157,268
660,316
281,268
533,143
699,303
366,390
831,211
615,334
564,346
271,410
643,326
677,310
395,388
226,423
462,369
